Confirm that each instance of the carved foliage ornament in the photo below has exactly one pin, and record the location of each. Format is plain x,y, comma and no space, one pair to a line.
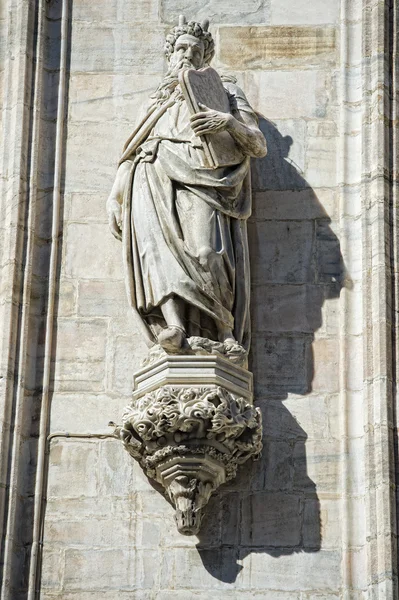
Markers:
191,440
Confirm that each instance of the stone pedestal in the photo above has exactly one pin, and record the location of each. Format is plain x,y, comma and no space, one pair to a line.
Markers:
190,424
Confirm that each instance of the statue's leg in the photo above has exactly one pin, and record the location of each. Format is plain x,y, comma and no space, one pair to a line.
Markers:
209,251
173,337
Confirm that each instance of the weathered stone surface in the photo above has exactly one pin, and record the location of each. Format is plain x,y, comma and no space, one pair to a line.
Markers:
321,159
271,520
106,96
259,47
80,364
282,252
302,570
282,364
106,47
70,468
84,413
83,207
91,253
102,299
287,308
285,12
218,11
309,100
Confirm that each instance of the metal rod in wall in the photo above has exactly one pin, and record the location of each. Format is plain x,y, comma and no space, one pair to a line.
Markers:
55,233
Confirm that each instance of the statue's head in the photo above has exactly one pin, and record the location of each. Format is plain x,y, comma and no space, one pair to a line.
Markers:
189,45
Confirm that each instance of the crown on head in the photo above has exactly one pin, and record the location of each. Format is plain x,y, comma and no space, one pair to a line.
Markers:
198,30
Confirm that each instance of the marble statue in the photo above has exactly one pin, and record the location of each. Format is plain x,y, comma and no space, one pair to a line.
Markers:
179,204
183,226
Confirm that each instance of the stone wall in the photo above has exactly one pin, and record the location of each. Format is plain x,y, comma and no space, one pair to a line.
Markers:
313,518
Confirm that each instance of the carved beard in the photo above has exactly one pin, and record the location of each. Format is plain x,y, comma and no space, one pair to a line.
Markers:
171,81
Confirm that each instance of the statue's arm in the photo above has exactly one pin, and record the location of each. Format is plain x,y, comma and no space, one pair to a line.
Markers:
241,123
115,200
247,135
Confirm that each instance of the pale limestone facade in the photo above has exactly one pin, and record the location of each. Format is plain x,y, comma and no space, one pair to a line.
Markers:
315,518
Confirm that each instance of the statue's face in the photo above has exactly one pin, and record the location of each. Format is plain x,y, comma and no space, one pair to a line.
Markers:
188,53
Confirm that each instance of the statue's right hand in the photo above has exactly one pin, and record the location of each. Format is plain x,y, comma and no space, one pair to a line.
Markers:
114,211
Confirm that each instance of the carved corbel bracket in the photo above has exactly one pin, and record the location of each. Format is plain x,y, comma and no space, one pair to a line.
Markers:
191,424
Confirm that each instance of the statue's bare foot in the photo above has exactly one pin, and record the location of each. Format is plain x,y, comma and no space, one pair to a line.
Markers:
232,347
172,339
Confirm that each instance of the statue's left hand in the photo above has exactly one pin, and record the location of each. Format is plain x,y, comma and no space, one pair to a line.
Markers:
210,121
114,211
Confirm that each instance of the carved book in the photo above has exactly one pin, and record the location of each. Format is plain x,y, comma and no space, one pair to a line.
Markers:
204,86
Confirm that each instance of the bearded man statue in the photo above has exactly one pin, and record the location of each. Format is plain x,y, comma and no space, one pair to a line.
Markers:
183,226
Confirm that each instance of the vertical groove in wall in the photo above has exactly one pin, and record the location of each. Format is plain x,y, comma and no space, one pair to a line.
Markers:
15,216
38,512
394,222
12,580
377,296
349,184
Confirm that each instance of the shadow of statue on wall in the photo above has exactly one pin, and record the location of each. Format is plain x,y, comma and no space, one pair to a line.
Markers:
296,265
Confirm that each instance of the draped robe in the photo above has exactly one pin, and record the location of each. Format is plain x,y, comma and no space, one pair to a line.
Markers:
184,227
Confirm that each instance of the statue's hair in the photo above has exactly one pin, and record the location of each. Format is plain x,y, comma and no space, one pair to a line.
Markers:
198,30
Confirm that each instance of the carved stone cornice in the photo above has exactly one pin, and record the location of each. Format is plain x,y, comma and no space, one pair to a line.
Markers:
191,438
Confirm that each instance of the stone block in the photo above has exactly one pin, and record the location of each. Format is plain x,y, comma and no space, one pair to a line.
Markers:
289,308
225,594
98,569
146,10
313,414
282,252
280,421
321,464
92,156
70,376
329,260
85,413
284,12
271,520
218,11
286,205
102,299
81,340
86,208
97,46
278,468
321,162
91,252
73,468
104,533
297,572
66,301
80,355
326,365
116,469
282,365
84,507
105,595
244,48
272,94
126,354
330,517
92,13
282,168
109,96
52,569
196,569
325,128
